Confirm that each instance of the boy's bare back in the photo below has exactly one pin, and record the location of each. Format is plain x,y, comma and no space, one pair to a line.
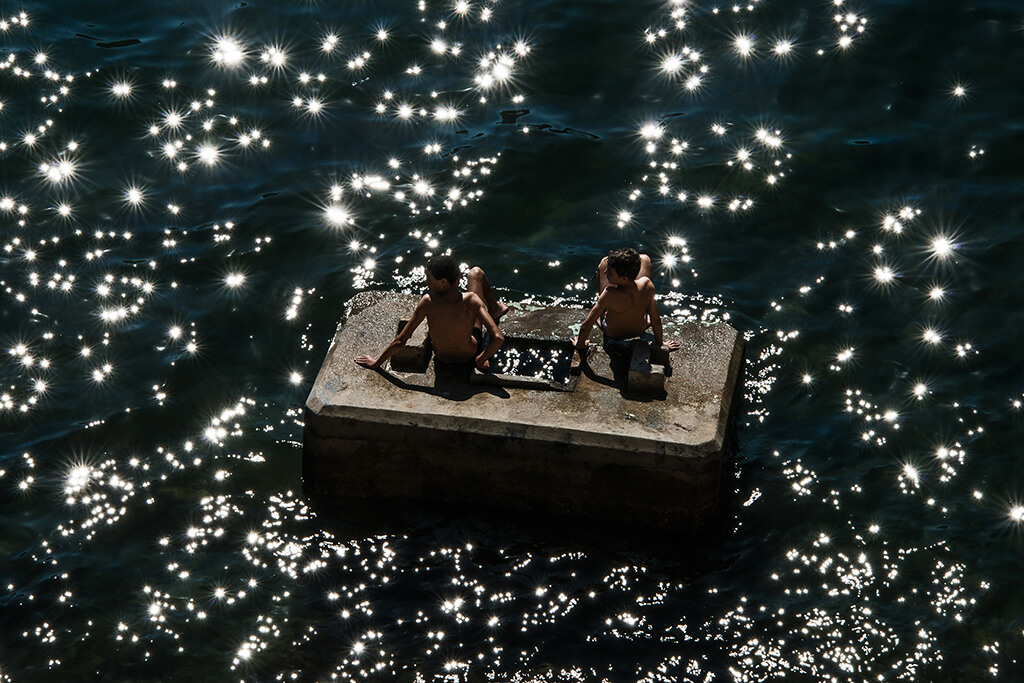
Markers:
451,317
625,306
626,309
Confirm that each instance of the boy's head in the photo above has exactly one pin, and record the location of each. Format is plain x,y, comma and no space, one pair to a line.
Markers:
625,263
444,267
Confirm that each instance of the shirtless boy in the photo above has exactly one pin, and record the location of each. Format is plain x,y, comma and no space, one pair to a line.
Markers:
625,305
452,316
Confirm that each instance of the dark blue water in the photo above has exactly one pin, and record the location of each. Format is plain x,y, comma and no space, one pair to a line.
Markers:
190,192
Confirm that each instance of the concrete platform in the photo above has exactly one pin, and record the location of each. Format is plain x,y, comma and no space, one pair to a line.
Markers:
596,451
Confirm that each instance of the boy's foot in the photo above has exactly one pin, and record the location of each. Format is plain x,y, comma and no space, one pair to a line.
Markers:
501,309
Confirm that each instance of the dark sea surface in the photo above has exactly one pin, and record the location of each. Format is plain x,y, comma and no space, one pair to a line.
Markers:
189,192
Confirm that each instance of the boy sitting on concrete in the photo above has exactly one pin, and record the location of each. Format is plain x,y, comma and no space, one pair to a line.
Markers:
625,305
454,318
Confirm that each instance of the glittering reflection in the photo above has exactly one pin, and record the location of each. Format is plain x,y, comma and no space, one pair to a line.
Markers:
167,299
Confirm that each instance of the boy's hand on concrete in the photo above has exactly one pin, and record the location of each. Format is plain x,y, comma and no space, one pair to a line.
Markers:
482,364
581,345
367,362
672,345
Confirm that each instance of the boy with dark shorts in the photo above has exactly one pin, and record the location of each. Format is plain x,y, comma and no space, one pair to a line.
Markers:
461,324
625,305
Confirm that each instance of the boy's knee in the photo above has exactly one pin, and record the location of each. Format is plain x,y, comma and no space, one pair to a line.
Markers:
645,260
475,273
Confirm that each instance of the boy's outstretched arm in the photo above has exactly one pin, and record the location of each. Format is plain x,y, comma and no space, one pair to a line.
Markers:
403,337
655,318
483,360
588,323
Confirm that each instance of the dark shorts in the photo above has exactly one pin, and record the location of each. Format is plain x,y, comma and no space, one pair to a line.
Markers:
620,351
613,346
483,339
462,371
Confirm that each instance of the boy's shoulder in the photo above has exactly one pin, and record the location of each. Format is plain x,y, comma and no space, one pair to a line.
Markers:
614,292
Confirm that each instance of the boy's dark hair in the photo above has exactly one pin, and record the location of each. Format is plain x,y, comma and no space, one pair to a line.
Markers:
626,262
444,267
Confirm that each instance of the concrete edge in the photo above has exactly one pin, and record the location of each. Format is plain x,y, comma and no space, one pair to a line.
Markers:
483,427
731,383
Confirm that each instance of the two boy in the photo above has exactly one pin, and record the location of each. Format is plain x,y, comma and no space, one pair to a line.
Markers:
457,320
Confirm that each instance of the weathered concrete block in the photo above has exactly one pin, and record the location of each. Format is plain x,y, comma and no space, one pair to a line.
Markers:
416,354
594,451
645,376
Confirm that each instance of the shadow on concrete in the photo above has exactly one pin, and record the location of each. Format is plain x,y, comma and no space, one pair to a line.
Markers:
454,386
615,376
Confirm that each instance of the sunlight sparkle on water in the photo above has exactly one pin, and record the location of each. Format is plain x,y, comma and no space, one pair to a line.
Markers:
133,196
274,56
446,113
884,274
672,64
744,46
228,52
208,153
942,246
314,106
417,181
337,215
652,131
771,139
121,90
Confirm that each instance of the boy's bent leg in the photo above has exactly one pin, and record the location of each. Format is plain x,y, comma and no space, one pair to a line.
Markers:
602,275
477,282
646,269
